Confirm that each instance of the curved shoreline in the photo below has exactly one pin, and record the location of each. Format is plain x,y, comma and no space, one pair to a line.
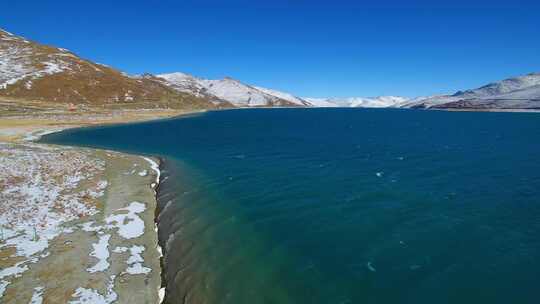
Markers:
26,137
155,187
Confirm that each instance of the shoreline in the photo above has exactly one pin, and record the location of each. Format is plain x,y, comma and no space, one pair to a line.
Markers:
25,138
22,136
155,187
99,228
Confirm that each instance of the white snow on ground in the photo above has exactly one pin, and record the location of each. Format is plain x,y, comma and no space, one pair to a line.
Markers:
41,188
37,297
101,252
3,285
39,192
99,190
14,270
18,61
161,294
36,135
129,224
120,249
154,167
126,220
135,261
86,295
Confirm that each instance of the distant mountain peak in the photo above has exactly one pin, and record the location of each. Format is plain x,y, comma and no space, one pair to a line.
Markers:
354,102
512,93
34,71
229,90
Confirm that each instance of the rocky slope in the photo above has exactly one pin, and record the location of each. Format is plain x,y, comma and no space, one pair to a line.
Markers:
522,92
33,71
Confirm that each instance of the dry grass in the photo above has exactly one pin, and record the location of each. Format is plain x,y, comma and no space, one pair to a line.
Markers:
19,118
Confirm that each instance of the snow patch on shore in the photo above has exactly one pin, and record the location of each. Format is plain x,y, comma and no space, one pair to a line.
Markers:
3,285
129,225
87,295
39,193
120,249
37,135
14,270
135,261
37,297
155,167
101,252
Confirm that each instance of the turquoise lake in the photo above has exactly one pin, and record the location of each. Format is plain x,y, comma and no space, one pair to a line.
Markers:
343,205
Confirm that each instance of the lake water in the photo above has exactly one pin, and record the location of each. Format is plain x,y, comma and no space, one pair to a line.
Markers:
343,205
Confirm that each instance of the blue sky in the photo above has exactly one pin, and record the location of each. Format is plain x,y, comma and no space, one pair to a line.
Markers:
308,48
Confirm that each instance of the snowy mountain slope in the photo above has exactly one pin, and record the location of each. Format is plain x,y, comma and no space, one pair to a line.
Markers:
320,102
33,71
427,102
520,92
284,96
239,94
363,102
532,92
243,95
184,83
502,87
230,90
20,59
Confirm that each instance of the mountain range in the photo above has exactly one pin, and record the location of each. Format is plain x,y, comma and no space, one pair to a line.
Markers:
30,70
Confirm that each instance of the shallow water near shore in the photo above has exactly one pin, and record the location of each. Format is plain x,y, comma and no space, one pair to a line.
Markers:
343,205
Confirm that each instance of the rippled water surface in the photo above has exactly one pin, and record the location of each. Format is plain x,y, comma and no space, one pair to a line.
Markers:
343,205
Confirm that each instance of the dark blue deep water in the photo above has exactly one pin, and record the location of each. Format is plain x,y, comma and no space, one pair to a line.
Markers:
343,205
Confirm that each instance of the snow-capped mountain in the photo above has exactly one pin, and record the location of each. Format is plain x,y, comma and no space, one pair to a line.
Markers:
362,102
33,71
230,90
30,70
19,60
243,95
502,87
285,96
522,92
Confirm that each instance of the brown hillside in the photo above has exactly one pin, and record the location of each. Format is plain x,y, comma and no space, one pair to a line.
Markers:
33,71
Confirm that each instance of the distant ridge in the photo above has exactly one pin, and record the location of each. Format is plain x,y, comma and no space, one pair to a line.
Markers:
521,92
359,102
230,90
29,70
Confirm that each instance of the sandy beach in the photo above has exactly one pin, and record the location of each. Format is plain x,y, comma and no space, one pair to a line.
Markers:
77,225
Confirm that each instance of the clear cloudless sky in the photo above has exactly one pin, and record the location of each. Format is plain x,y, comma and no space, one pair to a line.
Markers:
308,48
